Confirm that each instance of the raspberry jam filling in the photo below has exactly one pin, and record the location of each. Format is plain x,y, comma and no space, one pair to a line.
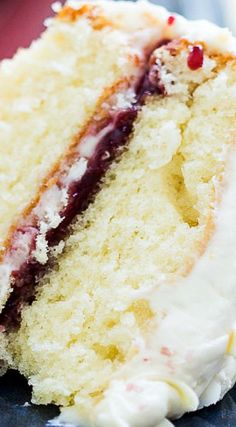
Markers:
75,183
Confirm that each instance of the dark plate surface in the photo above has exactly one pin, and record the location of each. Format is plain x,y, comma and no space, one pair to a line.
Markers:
14,393
20,22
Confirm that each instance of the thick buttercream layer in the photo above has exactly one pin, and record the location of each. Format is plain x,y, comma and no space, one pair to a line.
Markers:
219,40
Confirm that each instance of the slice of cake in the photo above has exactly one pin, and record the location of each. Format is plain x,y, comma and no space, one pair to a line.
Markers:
48,94
118,259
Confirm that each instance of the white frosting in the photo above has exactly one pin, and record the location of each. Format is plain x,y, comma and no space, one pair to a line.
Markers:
77,171
125,100
189,360
198,338
218,39
89,144
229,11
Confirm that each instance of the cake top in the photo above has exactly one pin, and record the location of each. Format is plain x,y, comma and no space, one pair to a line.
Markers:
173,26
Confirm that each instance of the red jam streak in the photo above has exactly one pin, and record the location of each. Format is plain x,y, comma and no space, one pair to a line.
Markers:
171,20
81,192
196,58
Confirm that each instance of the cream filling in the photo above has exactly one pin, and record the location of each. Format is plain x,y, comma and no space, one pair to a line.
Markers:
189,359
52,202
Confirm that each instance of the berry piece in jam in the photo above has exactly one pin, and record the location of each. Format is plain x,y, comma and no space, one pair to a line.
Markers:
196,58
171,20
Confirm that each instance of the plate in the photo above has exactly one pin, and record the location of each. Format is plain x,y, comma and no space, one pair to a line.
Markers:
16,411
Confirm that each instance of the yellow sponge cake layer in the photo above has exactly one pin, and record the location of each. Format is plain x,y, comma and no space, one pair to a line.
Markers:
100,336
47,95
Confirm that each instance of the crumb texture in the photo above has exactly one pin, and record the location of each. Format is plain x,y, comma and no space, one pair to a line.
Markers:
47,93
147,226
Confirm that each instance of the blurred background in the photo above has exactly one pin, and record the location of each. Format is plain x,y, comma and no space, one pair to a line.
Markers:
21,21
